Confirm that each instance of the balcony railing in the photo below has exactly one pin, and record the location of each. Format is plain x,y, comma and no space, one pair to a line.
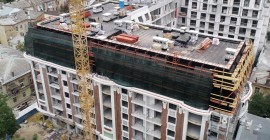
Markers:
154,133
252,34
139,114
233,22
243,23
125,110
138,101
243,33
203,17
194,15
156,107
254,25
171,126
172,113
138,126
58,106
156,120
236,3
124,97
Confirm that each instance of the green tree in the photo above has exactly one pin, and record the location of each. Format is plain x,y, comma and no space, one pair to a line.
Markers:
6,1
268,36
35,137
7,120
259,104
20,47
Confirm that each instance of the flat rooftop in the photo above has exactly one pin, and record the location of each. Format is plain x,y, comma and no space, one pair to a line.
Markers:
214,55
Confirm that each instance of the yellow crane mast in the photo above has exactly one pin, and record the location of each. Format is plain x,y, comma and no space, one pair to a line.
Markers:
79,38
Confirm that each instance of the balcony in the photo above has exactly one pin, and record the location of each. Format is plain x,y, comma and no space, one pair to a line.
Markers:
193,24
40,90
252,34
36,67
77,104
236,3
203,17
233,22
76,93
78,115
171,126
138,136
242,33
56,96
194,15
212,19
42,97
235,12
106,90
108,114
124,97
232,31
155,120
108,124
254,25
124,122
155,133
107,102
139,113
74,80
53,73
195,119
243,23
156,107
124,110
125,134
193,131
138,126
246,3
54,85
172,113
211,27
58,106
182,14
138,100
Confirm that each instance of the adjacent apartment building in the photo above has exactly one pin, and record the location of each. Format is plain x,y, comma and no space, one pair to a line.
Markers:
260,77
15,79
150,82
14,24
237,19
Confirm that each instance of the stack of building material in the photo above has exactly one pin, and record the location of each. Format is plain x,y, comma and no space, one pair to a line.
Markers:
127,38
86,14
205,44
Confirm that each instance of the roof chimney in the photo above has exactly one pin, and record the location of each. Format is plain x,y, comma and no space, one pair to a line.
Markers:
12,74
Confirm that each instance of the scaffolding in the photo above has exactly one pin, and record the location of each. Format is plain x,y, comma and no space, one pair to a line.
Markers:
228,87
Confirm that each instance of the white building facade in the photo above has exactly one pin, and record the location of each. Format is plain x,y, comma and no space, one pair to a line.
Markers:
126,113
238,19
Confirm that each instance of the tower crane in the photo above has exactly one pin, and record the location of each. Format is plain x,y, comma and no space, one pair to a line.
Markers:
79,38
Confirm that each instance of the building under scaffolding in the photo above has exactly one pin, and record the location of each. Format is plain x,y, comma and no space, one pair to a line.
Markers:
144,90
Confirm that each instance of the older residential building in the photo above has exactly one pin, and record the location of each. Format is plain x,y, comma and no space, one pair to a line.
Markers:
15,78
14,24
260,76
236,19
21,4
151,82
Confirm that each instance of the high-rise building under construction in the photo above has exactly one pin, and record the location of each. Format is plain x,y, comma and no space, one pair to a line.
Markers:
149,82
